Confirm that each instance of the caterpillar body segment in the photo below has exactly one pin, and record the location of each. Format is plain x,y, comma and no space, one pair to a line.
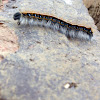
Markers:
70,31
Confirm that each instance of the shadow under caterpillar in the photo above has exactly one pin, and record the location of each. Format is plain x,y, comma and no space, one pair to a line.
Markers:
70,31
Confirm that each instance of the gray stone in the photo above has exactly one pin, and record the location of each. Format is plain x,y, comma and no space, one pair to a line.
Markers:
47,60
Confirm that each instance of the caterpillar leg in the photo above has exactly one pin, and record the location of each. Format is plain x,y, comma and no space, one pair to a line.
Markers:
18,23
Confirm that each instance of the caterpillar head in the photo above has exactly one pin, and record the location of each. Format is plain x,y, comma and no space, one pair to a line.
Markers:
17,16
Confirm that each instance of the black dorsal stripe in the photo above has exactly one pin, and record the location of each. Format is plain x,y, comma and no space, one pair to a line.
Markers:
60,22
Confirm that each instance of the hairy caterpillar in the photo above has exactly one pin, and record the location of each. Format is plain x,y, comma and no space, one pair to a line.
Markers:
70,31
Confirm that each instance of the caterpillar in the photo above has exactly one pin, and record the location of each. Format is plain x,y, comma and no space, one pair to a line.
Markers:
70,31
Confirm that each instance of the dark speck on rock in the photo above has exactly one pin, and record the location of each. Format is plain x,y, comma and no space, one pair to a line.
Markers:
31,59
38,42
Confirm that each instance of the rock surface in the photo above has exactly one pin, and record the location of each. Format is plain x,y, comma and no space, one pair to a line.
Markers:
62,10
8,39
94,10
47,60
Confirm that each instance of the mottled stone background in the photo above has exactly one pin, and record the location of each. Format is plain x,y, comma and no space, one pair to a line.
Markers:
94,10
46,60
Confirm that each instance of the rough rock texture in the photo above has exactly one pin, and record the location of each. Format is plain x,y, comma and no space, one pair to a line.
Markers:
8,39
47,60
94,10
62,10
